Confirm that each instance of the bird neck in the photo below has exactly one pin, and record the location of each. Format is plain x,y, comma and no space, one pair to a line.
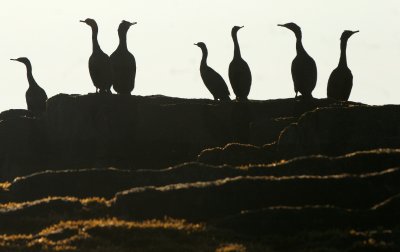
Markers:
31,80
236,52
299,45
204,58
122,39
96,46
343,57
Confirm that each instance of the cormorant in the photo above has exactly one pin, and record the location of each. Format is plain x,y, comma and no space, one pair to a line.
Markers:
341,80
123,62
304,69
213,81
100,68
239,71
35,95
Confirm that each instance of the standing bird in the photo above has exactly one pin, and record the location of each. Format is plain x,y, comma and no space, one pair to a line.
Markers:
239,71
100,68
123,62
35,95
304,69
340,82
213,81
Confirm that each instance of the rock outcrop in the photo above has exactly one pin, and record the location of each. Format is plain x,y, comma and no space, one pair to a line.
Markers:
129,131
159,173
106,182
335,131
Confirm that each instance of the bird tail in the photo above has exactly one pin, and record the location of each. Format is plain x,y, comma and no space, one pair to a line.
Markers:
307,96
225,98
242,99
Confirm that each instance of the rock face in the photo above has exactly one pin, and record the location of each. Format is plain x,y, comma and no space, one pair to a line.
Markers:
329,131
336,131
23,144
295,175
130,131
106,182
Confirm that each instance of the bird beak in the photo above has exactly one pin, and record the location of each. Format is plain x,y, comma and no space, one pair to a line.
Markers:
195,44
133,23
240,27
83,21
355,31
281,25
13,59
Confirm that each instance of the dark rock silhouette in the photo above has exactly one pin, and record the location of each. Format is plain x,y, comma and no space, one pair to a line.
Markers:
272,189
213,80
239,154
15,113
340,82
279,220
35,95
85,183
123,62
304,69
241,118
23,148
291,220
100,68
239,71
231,195
328,131
128,131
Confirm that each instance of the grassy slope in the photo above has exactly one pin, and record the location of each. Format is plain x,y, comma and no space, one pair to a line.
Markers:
177,235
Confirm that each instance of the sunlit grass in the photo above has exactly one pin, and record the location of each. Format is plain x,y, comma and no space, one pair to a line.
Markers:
4,186
113,234
231,247
322,157
87,202
71,235
167,223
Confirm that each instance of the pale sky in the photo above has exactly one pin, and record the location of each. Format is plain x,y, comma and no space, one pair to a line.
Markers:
48,32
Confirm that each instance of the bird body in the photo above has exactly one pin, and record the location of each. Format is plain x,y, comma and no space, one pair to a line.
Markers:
100,72
123,63
304,74
239,70
36,99
212,80
304,69
340,81
100,68
35,96
340,84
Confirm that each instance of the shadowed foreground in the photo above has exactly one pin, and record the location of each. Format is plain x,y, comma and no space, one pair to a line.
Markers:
115,173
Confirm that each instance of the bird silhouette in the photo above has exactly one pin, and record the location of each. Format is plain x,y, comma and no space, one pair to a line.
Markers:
35,95
123,62
239,71
100,68
340,82
213,81
304,69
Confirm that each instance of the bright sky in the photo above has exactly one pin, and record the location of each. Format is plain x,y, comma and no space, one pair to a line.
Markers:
48,32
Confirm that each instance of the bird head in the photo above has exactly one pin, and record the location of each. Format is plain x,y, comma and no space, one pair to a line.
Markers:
293,27
201,45
124,25
22,60
347,34
236,28
89,21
